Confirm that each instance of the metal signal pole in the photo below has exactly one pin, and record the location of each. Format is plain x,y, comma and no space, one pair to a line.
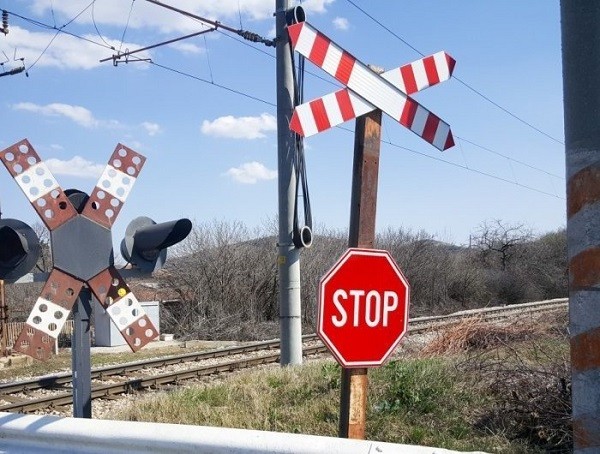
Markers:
288,259
581,72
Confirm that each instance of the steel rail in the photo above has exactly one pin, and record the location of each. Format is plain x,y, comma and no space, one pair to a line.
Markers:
155,381
417,325
59,380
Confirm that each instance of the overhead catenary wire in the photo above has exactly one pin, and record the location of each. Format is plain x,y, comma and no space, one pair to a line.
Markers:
58,30
96,26
128,53
126,25
255,98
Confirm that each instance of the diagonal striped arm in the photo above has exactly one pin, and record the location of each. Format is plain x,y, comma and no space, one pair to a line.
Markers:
123,308
114,186
38,184
369,87
48,316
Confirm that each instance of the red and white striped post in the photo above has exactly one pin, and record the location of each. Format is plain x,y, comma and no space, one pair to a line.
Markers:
581,72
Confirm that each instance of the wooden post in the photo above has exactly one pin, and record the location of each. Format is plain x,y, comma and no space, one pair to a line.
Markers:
363,207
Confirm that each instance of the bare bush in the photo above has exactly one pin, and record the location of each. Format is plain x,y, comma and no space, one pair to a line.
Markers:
529,384
226,277
224,271
476,334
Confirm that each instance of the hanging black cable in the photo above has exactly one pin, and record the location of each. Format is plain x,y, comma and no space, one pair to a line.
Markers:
302,235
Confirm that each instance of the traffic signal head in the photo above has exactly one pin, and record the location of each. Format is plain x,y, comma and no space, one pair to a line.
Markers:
19,249
146,242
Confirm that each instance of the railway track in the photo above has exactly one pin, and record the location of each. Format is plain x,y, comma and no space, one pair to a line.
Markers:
21,396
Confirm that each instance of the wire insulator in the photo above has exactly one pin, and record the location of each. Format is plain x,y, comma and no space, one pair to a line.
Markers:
255,37
4,21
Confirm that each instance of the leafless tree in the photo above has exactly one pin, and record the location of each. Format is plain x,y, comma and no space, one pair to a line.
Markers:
44,263
500,242
226,276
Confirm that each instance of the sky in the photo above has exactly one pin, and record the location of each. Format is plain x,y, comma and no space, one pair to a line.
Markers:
202,110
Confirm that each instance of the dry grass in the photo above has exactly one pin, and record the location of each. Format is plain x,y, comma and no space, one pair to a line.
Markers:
527,376
476,334
405,398
294,399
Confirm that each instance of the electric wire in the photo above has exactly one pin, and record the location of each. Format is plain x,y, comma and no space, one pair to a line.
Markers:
338,86
240,15
126,25
269,103
465,84
96,26
223,87
58,30
212,79
510,159
464,167
477,171
52,11
44,51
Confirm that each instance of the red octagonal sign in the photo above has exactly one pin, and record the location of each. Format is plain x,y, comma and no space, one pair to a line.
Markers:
363,307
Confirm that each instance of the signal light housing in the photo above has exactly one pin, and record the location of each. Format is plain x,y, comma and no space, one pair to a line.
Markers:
146,242
19,249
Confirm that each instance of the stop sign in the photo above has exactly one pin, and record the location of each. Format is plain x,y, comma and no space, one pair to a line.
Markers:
363,307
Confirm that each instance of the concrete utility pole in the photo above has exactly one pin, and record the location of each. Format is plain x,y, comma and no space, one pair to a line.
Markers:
288,259
581,73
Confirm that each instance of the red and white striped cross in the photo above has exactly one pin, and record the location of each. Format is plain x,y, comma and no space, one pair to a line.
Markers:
367,90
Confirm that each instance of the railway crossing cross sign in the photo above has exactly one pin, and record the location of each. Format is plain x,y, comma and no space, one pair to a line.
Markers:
82,249
363,307
366,90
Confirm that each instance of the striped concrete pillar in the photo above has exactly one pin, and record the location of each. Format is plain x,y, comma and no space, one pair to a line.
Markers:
581,75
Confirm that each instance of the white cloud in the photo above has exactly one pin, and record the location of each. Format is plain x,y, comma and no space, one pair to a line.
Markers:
76,167
251,173
316,6
240,127
56,147
147,15
187,48
65,52
151,128
341,23
78,114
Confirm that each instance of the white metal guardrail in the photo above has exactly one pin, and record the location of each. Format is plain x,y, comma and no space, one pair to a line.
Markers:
25,434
